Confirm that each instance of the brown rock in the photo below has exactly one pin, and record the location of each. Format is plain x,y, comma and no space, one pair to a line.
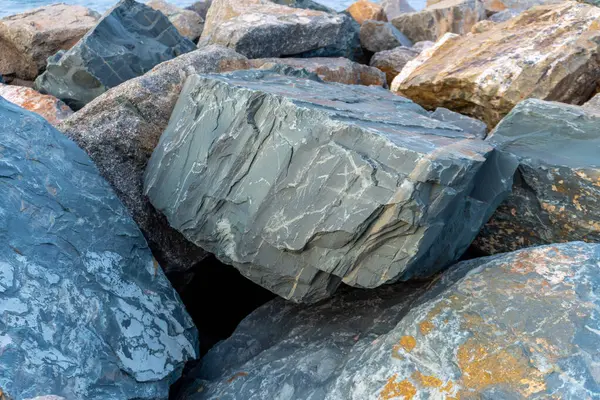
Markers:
455,16
187,22
378,36
364,10
49,107
28,39
392,61
548,52
338,69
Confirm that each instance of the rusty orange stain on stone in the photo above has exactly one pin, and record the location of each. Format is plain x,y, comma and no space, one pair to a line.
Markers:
427,380
397,390
425,327
237,375
408,343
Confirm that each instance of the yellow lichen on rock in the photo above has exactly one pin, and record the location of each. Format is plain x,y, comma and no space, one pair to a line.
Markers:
397,390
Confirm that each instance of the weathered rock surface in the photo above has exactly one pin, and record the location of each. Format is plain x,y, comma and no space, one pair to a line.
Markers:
394,8
189,23
521,325
201,8
49,107
364,10
391,62
306,4
556,193
260,28
301,184
422,45
340,70
378,36
85,311
121,128
494,6
472,125
593,103
127,42
447,16
547,52
28,39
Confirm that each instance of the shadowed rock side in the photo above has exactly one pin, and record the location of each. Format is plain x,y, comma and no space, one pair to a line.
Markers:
127,42
556,194
189,23
548,52
522,325
121,128
301,184
86,312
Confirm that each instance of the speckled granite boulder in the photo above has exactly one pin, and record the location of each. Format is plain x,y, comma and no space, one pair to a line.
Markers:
260,28
521,325
49,107
379,36
127,42
391,62
302,184
120,129
189,23
85,311
556,194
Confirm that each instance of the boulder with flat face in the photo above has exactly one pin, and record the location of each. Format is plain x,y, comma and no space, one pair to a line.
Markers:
548,52
364,10
378,36
120,129
302,184
260,28
189,23
392,61
85,310
28,39
127,42
556,192
394,8
521,325
49,107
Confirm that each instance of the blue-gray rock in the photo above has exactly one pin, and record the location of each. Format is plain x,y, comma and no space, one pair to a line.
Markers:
85,311
302,184
127,42
475,126
521,325
556,194
378,36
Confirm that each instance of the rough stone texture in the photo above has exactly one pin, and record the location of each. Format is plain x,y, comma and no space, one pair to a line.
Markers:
422,45
301,184
556,194
127,42
260,28
521,325
364,10
593,103
121,128
378,36
494,6
547,52
392,61
189,23
394,8
85,311
49,107
505,15
482,26
472,125
340,70
306,4
201,8
454,16
28,39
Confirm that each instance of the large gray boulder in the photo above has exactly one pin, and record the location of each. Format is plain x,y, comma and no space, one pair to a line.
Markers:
85,310
121,128
556,192
378,36
302,185
127,42
520,325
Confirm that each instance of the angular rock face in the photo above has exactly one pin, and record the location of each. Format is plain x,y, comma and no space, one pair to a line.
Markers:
189,23
391,62
378,36
28,39
127,42
86,311
593,103
394,8
306,4
364,10
120,129
556,194
491,328
201,8
301,184
547,52
340,70
454,16
52,109
260,28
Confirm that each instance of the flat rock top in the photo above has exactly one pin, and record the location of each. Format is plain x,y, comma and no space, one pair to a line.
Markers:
53,17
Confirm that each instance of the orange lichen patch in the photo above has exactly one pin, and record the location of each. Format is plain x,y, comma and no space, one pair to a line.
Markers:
408,343
237,375
397,390
156,266
49,107
429,381
425,327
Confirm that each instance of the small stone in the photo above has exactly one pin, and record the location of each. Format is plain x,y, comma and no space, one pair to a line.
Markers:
49,107
376,36
364,10
391,62
422,45
187,22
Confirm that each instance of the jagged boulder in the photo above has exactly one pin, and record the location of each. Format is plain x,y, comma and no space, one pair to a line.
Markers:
378,36
121,128
394,8
556,192
85,311
365,10
189,23
521,325
391,62
260,29
28,39
127,42
200,7
49,107
302,185
548,52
